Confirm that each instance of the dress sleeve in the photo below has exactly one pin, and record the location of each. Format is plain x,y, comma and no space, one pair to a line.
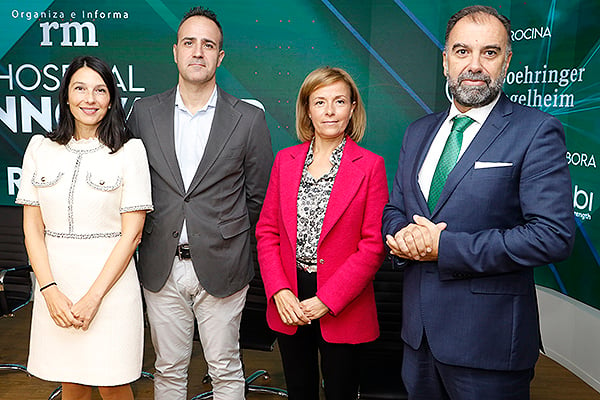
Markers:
136,193
28,194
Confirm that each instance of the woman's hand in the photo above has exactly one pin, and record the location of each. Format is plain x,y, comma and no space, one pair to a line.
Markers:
289,308
85,309
314,308
59,307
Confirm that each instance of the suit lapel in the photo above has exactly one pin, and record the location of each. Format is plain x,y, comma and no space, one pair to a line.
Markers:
162,116
224,122
347,182
493,126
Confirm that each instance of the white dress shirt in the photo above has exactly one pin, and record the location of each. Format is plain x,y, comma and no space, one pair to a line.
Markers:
191,136
478,114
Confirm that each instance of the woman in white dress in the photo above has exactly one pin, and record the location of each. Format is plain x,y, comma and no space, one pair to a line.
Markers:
86,190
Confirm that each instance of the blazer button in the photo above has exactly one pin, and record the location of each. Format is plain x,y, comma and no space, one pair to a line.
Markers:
187,199
175,234
321,261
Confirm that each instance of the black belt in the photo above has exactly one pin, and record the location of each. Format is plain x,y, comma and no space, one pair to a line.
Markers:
183,252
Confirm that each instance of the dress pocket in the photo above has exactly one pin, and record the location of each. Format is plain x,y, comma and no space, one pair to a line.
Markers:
493,173
46,179
103,182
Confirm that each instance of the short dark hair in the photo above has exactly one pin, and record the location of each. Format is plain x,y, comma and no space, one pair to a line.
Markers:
472,12
202,12
112,130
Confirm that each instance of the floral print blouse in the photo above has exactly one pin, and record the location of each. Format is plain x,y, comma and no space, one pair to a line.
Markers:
313,196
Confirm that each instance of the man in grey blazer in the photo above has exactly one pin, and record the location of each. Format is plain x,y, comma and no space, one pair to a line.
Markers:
210,156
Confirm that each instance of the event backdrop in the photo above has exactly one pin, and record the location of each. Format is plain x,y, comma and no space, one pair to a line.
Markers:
391,47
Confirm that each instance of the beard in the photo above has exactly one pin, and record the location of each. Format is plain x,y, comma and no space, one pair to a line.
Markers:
478,96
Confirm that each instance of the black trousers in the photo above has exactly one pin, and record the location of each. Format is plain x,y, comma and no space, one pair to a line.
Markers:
300,357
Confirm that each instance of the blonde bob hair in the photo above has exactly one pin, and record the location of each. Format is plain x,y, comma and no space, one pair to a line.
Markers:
317,79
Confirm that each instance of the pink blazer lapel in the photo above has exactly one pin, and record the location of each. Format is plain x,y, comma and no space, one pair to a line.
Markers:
347,183
291,173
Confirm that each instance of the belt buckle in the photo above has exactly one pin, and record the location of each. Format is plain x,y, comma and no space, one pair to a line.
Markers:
183,252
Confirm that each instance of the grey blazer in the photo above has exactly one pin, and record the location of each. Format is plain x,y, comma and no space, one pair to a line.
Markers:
223,201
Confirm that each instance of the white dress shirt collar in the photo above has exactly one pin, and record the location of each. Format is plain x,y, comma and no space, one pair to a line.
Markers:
477,114
212,101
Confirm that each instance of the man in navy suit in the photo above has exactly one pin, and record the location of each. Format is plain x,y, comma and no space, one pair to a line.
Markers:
470,318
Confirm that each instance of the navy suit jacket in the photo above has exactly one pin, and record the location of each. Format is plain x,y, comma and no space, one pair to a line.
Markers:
477,303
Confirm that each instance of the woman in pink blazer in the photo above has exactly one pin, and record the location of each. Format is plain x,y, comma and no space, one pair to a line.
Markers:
319,240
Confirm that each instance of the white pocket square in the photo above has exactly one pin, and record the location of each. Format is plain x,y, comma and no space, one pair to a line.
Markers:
486,164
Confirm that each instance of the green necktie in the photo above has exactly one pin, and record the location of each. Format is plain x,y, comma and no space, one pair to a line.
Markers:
447,159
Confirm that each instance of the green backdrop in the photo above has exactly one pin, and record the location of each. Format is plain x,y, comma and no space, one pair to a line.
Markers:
391,47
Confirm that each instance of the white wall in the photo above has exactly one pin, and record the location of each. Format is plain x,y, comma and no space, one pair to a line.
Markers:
571,334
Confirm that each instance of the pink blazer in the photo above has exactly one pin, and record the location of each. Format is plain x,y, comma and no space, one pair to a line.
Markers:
350,247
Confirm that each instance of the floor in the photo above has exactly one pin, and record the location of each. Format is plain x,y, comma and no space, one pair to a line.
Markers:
552,381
